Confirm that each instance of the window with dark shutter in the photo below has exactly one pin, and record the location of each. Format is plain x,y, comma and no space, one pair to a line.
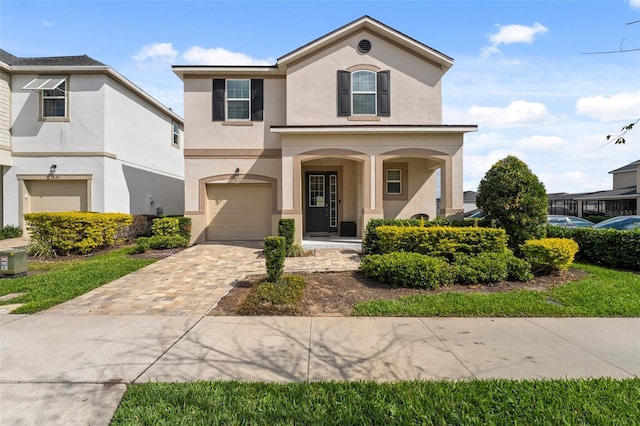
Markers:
257,106
218,99
384,98
344,93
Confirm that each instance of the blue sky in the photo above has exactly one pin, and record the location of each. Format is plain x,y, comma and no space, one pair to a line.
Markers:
520,69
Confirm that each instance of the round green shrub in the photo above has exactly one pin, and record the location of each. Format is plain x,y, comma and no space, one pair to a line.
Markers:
402,269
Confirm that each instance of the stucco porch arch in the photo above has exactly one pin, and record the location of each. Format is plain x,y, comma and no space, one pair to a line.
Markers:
344,172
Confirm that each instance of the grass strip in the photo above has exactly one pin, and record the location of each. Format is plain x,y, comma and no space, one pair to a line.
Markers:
68,280
604,293
478,402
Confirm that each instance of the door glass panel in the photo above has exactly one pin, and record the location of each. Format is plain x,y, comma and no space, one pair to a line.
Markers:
333,201
316,190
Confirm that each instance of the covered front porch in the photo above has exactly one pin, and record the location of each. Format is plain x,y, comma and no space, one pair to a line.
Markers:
333,183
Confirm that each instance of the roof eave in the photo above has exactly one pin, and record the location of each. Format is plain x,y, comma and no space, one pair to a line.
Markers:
376,27
374,129
212,70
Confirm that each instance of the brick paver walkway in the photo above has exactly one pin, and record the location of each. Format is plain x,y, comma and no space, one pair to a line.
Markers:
192,281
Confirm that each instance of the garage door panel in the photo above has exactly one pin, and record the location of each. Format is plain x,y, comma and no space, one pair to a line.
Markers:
239,211
57,196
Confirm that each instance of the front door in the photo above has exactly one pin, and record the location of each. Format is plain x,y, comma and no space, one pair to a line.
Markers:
321,201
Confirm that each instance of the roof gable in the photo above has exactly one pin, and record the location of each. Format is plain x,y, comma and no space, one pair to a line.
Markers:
376,27
628,168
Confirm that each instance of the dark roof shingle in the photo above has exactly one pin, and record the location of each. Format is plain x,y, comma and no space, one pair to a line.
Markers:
60,61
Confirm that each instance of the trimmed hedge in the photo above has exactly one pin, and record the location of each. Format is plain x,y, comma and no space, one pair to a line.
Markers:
160,242
490,268
550,254
77,232
441,240
172,226
287,229
275,251
371,242
604,247
407,270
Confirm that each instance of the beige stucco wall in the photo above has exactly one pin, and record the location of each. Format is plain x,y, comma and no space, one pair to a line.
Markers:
626,179
312,83
202,132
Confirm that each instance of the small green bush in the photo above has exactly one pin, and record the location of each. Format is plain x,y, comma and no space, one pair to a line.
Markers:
269,298
161,242
275,251
490,268
165,226
184,225
407,270
550,254
287,229
10,231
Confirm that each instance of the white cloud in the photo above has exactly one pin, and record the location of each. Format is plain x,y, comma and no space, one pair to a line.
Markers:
47,24
160,53
509,34
622,106
518,113
635,4
219,56
541,143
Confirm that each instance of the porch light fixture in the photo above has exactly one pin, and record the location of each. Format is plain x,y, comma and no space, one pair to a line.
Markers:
237,172
53,168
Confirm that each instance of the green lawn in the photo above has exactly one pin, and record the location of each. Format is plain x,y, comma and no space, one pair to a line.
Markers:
604,293
66,279
478,402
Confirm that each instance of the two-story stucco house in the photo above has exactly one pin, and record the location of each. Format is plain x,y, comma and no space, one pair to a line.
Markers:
344,129
77,135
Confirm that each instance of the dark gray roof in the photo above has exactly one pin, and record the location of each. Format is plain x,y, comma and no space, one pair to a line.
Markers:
614,193
629,167
59,61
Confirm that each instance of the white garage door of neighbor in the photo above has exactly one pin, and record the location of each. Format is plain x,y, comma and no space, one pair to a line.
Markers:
57,196
239,211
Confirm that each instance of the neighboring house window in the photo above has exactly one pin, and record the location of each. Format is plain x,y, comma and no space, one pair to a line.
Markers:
54,102
176,134
238,99
364,92
394,181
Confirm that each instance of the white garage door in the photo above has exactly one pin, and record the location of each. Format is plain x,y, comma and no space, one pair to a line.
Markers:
57,196
239,211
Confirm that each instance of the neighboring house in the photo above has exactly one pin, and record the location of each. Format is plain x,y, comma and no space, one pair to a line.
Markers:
623,199
343,129
468,201
76,135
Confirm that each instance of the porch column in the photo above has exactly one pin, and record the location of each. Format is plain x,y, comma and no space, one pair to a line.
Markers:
451,187
290,192
373,208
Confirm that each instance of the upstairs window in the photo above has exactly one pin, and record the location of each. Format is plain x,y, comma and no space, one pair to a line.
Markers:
54,101
237,99
176,135
364,93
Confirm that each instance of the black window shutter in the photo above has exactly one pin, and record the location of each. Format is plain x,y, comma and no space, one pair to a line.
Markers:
218,99
344,93
384,99
257,104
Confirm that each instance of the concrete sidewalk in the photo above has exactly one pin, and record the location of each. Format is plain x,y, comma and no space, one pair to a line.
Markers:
73,369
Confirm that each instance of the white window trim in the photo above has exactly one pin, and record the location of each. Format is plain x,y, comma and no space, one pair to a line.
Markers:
388,181
227,99
175,134
365,92
44,117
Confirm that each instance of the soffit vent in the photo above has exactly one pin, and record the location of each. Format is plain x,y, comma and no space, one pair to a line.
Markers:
364,46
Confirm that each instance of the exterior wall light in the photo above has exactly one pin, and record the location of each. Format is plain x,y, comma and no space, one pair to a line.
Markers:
53,168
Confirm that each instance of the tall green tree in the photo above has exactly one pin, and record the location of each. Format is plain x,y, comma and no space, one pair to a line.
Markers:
511,195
